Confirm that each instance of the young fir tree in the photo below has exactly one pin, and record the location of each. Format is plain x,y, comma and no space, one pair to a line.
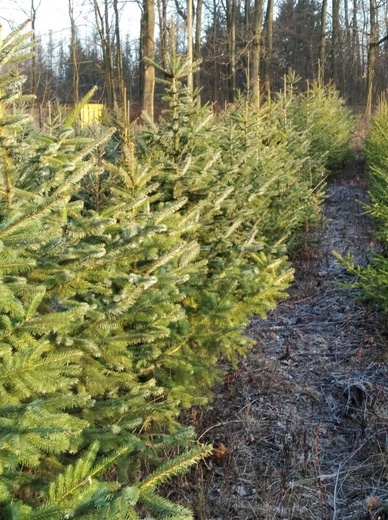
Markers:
278,194
79,407
322,117
316,127
240,274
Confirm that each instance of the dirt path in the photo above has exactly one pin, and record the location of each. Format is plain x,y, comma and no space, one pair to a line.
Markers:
301,426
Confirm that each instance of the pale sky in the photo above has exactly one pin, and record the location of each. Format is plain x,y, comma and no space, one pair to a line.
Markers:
53,14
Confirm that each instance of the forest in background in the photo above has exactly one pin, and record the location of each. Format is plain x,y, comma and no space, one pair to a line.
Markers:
241,46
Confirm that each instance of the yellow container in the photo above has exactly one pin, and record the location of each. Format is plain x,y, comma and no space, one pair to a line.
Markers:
91,113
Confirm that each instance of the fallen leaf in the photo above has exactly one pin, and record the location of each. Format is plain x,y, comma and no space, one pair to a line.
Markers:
372,503
220,452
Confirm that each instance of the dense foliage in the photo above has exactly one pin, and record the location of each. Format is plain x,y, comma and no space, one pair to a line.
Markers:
79,404
123,283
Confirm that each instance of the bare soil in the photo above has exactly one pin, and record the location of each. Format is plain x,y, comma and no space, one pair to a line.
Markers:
300,429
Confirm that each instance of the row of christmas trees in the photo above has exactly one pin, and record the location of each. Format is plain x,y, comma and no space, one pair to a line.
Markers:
129,265
372,279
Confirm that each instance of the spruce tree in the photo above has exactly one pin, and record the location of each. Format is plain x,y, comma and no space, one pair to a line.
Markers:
78,398
240,275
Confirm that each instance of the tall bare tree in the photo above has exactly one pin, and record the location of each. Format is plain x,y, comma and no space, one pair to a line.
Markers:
256,48
73,53
268,43
118,58
163,30
372,51
190,39
355,43
214,38
231,12
34,6
148,55
335,39
197,42
322,42
101,13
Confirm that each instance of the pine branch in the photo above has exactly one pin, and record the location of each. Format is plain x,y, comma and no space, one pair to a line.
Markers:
77,110
165,508
11,262
173,253
32,371
82,474
174,467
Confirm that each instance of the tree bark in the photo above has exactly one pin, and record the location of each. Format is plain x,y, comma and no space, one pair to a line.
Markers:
197,42
163,28
256,47
355,54
103,29
322,43
231,26
110,79
189,23
335,40
119,79
33,12
373,42
73,54
247,5
214,36
148,57
268,35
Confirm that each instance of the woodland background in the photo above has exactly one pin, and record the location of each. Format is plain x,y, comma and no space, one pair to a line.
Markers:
236,41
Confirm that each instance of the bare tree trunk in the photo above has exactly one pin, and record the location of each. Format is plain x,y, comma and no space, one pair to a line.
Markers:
73,53
355,52
149,54
231,25
121,97
110,79
268,38
347,63
355,41
189,22
257,22
103,29
163,29
247,5
33,11
247,54
335,40
197,43
322,43
216,79
371,56
141,58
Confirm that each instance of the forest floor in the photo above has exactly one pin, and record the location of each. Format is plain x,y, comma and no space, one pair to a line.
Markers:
300,428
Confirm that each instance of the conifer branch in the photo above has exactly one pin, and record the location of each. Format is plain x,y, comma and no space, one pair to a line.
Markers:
81,474
77,110
174,467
